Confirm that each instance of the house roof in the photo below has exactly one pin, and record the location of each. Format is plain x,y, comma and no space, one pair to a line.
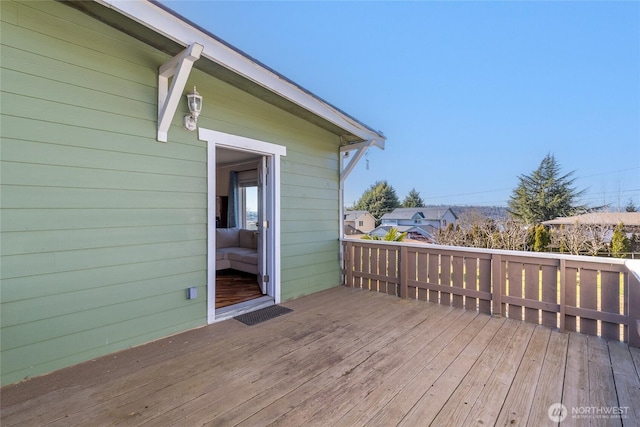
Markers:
409,229
160,27
383,229
429,213
602,218
353,215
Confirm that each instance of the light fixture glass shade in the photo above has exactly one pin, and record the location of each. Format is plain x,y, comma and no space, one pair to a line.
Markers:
194,101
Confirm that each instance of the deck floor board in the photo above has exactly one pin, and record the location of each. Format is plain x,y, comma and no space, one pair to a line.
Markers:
343,357
549,384
519,399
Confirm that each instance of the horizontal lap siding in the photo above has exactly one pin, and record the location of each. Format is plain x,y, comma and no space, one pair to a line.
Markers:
310,225
103,227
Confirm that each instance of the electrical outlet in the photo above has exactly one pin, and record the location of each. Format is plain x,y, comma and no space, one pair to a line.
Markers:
192,293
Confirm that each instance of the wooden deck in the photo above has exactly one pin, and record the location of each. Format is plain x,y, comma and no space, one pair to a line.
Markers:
345,357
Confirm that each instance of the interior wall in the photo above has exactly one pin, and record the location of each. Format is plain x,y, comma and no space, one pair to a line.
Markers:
222,175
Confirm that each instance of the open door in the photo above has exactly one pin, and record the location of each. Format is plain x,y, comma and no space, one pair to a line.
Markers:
269,211
269,220
263,226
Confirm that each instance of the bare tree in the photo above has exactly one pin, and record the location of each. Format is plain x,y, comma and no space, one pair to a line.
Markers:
595,235
579,238
478,231
450,236
513,235
476,236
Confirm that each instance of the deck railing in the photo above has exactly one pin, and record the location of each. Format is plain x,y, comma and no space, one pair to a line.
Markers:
591,295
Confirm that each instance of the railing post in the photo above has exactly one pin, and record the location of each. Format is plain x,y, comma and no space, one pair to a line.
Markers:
634,309
404,271
563,294
496,284
348,260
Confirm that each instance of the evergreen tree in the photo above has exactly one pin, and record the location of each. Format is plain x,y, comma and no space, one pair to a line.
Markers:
620,243
542,239
379,199
413,200
631,207
545,194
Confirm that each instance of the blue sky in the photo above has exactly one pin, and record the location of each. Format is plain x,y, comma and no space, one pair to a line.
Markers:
470,95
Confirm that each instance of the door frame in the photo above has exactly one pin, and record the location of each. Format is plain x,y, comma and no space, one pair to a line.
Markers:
272,152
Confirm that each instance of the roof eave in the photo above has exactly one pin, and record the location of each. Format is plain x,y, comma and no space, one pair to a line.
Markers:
176,33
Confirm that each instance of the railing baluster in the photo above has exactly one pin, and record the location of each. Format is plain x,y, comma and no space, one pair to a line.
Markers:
514,289
610,302
445,278
532,290
471,281
588,299
432,275
457,265
563,295
394,265
497,284
382,268
571,296
633,298
550,294
348,253
484,284
422,274
404,272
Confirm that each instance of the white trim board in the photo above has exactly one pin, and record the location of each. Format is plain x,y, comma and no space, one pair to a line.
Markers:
273,152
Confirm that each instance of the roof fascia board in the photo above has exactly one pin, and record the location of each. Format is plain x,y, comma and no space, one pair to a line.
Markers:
181,32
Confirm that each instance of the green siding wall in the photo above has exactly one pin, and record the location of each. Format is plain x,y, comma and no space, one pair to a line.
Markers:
103,227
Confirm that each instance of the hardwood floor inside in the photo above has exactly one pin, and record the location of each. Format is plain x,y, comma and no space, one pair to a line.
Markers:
233,287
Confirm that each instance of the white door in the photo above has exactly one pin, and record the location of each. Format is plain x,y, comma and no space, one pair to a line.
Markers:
270,197
263,227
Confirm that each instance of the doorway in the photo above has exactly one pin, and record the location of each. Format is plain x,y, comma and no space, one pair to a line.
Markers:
238,273
243,181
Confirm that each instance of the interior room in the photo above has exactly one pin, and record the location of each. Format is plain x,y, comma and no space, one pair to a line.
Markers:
238,274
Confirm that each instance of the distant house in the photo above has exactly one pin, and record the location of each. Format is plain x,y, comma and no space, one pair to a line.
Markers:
428,218
358,222
413,232
419,223
630,220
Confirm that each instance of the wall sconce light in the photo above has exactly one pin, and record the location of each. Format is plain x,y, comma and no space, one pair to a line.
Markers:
194,101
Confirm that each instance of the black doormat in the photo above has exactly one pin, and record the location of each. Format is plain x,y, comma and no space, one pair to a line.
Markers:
258,316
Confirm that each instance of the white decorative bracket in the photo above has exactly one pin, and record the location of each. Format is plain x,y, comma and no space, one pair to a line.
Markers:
168,97
361,148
